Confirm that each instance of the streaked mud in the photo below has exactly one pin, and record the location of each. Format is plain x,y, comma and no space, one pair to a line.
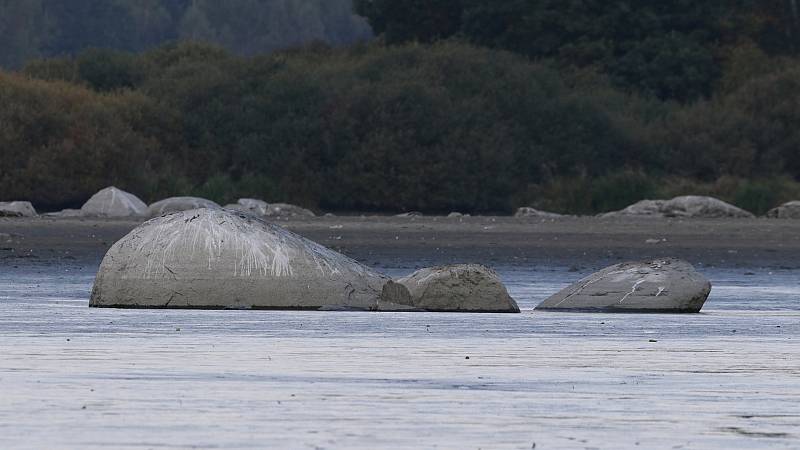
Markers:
75,377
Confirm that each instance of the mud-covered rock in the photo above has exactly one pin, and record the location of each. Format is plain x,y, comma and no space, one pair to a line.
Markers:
458,288
174,204
113,202
410,214
687,206
705,207
532,212
284,210
255,206
643,208
17,209
663,285
214,258
790,210
65,214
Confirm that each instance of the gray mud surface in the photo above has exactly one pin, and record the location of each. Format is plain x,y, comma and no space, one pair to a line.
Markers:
495,241
728,378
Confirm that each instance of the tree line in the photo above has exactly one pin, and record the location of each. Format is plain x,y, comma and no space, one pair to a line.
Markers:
434,120
672,49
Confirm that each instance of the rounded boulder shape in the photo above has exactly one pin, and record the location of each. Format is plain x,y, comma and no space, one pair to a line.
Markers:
287,210
65,214
458,288
789,210
643,208
216,259
113,202
17,209
702,207
663,286
255,206
532,212
174,204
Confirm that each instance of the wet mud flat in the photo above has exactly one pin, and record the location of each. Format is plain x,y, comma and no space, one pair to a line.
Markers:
728,378
578,242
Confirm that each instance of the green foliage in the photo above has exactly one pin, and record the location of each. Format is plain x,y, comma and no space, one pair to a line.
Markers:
220,188
587,195
434,127
612,192
223,189
749,132
55,69
672,49
385,128
108,70
60,142
757,195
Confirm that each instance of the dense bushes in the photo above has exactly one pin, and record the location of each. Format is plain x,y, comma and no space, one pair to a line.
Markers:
448,126
585,195
672,49
749,132
60,142
430,127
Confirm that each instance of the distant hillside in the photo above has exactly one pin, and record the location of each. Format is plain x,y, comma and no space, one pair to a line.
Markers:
671,49
573,106
440,127
32,29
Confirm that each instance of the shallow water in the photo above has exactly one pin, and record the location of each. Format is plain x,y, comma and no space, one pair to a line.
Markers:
75,377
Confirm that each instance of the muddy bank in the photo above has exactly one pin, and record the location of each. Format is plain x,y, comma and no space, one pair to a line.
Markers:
580,242
78,377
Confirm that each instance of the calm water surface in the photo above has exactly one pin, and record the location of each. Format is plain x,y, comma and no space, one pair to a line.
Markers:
74,377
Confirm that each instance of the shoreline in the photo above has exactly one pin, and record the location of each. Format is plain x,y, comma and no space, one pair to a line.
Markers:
574,242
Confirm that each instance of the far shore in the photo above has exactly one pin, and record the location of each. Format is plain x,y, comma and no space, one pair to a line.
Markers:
579,243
